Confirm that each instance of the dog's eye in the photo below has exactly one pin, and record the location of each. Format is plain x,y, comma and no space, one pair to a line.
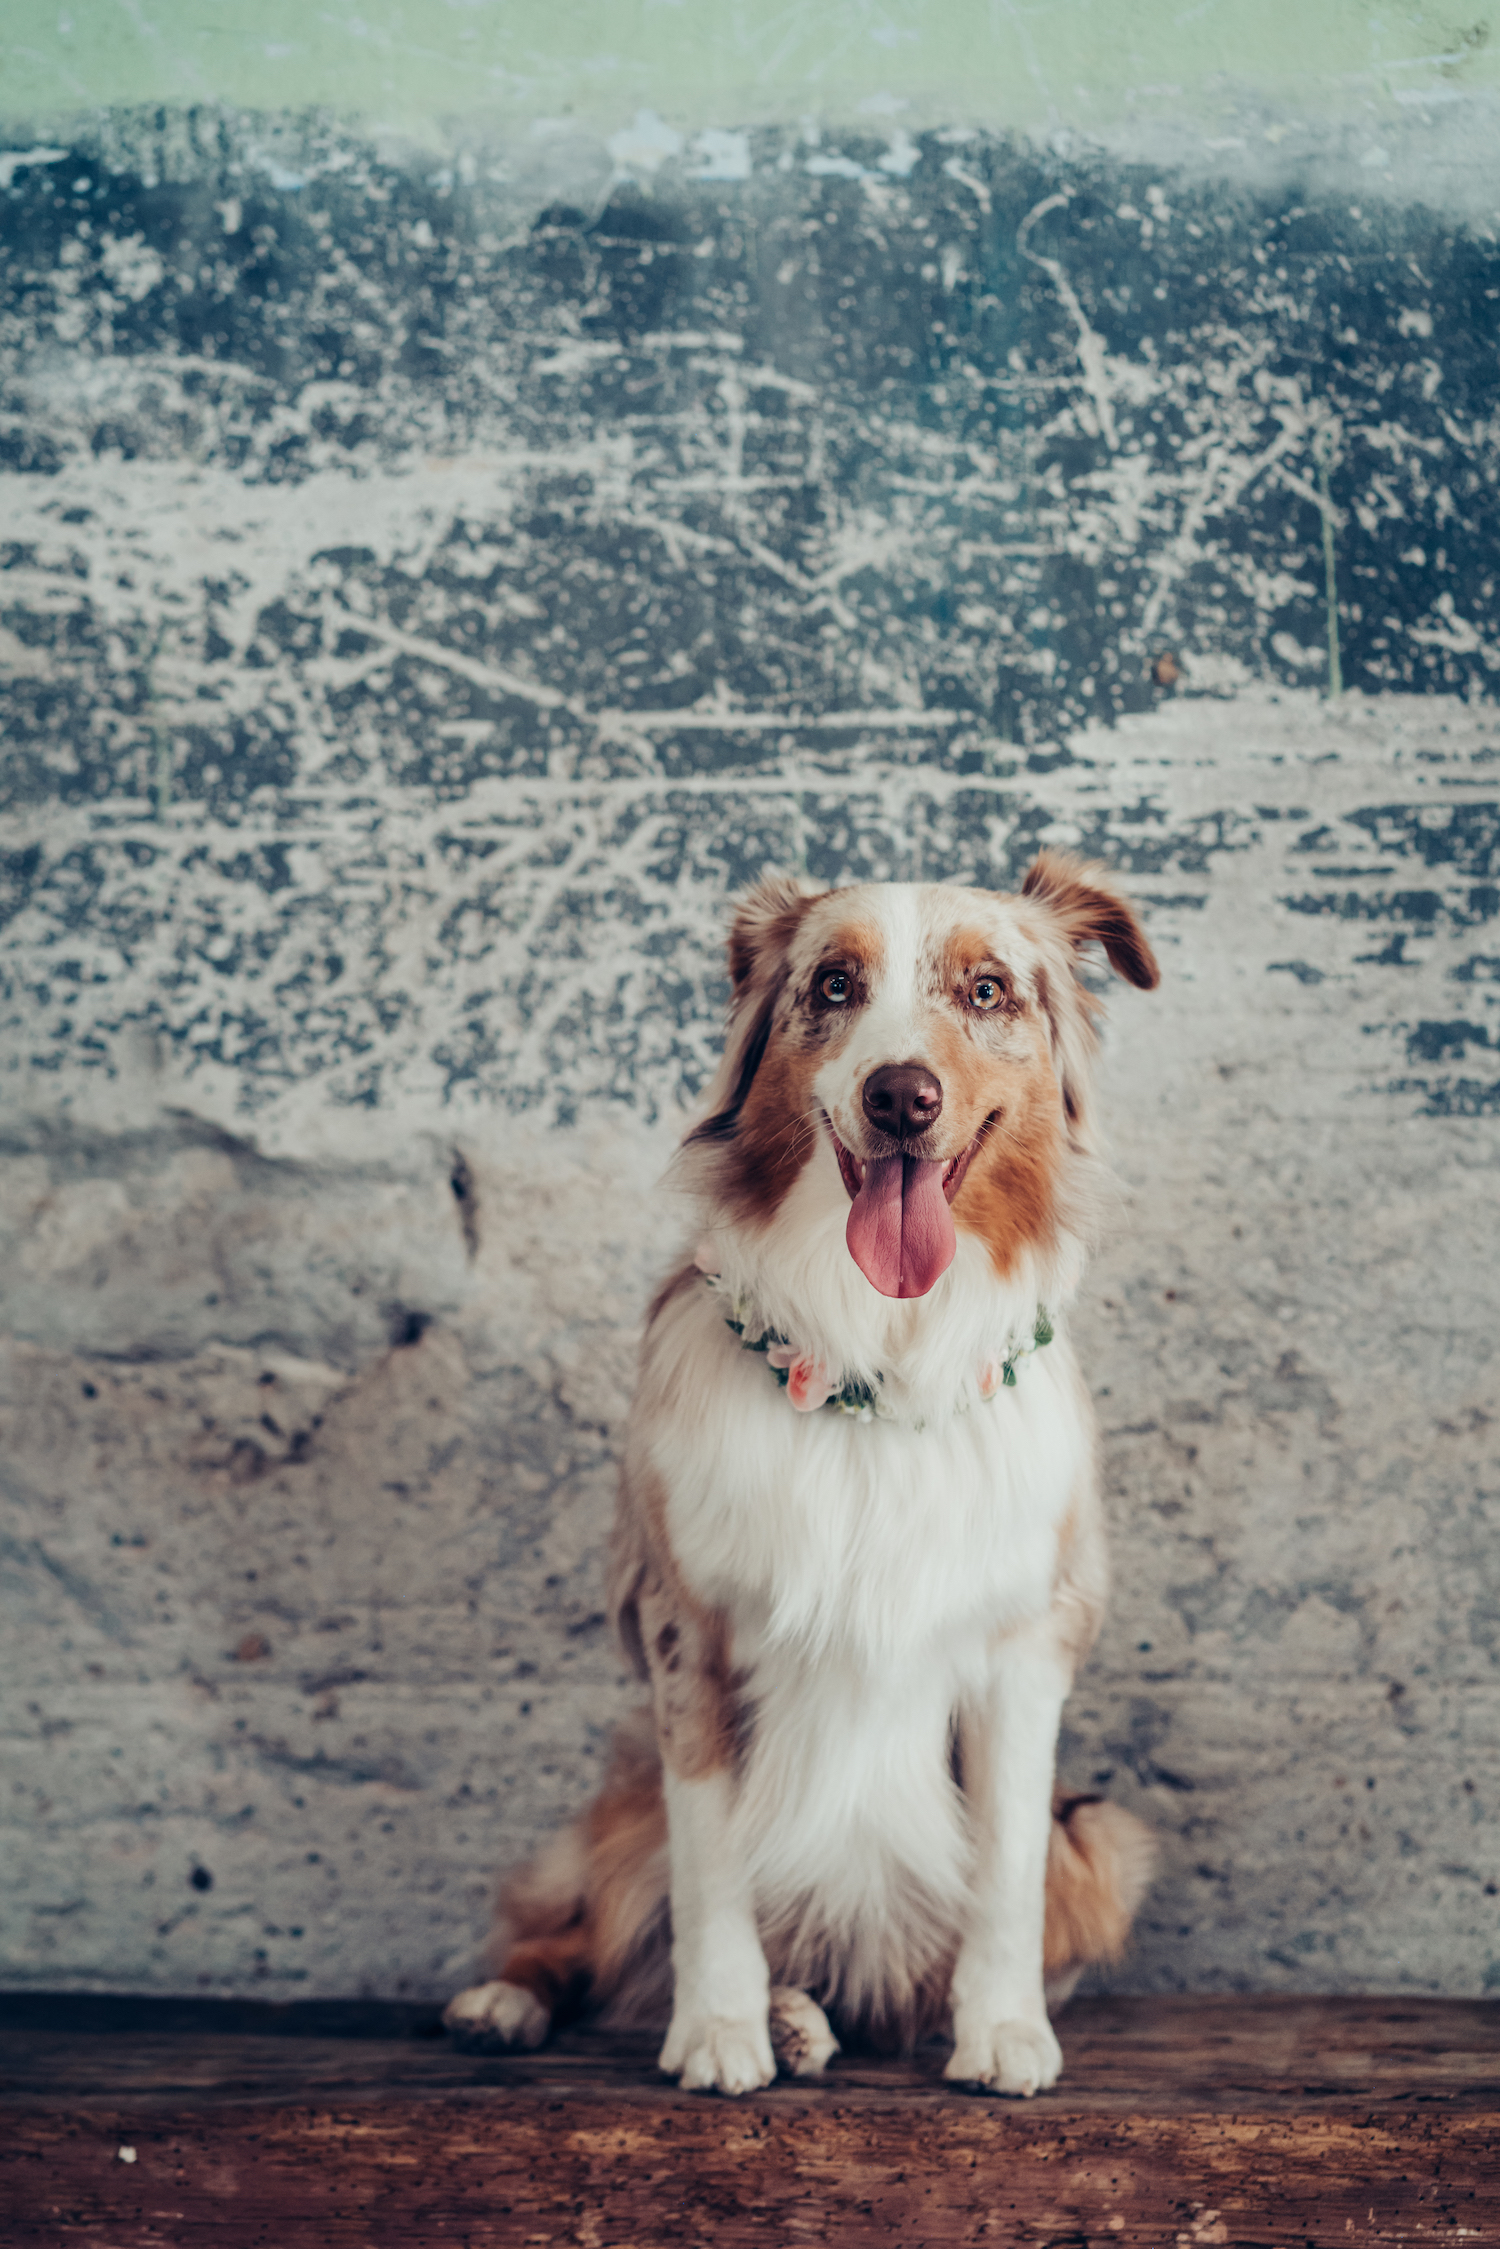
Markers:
835,987
986,994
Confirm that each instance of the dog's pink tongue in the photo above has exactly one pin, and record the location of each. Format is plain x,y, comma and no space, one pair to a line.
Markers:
900,1231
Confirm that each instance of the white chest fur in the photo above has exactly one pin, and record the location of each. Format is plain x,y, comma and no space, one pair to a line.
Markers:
869,1546
865,1569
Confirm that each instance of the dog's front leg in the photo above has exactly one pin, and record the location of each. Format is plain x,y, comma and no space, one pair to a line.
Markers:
720,2036
1002,2039
720,2039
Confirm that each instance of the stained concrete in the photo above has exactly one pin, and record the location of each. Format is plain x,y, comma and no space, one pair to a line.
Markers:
426,599
647,78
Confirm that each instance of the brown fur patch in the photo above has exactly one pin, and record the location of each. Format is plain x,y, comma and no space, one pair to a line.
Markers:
557,1970
964,954
627,1837
676,1643
1009,1196
776,1133
691,1688
856,948
982,1060
764,927
746,1050
767,1130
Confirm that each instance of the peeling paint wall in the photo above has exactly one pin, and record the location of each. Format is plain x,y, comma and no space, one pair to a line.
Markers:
430,584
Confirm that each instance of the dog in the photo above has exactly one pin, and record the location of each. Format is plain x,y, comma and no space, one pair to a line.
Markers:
859,1551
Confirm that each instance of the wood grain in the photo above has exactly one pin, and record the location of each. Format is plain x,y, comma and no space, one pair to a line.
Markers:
1184,2123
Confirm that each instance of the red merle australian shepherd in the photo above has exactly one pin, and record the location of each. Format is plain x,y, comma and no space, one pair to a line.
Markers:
859,1553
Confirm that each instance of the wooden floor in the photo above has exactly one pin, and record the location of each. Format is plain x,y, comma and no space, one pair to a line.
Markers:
1183,2123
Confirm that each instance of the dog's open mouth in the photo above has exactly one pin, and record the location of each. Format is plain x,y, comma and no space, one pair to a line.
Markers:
900,1230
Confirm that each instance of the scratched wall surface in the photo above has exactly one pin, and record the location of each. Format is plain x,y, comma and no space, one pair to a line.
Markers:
424,599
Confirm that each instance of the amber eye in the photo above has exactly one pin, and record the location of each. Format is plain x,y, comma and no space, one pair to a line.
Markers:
835,987
986,994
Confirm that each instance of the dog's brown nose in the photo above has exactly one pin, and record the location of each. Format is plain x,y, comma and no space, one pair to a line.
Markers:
902,1099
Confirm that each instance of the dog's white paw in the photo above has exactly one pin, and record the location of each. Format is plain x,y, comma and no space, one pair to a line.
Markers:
496,2014
717,2054
800,2037
1010,2057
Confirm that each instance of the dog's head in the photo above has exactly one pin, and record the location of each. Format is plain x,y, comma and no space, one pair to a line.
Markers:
938,1040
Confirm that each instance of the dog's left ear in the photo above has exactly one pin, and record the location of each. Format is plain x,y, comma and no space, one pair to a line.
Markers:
1091,911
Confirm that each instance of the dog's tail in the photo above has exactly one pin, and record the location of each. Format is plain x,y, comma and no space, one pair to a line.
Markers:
1100,1862
585,1926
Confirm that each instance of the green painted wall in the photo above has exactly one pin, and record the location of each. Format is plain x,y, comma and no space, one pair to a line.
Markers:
420,65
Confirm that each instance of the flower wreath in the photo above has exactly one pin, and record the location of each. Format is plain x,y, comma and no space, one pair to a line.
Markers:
809,1385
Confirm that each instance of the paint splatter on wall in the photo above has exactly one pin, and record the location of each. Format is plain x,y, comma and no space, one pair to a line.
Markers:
420,611
739,521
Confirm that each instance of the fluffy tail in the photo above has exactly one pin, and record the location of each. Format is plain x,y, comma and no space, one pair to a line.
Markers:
585,1926
1100,1862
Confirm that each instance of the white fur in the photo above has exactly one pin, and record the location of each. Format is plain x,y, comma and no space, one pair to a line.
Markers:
719,2037
496,2014
1002,2038
867,1569
875,1545
878,1577
803,2043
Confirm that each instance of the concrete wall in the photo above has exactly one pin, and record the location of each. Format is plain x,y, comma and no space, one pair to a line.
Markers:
452,538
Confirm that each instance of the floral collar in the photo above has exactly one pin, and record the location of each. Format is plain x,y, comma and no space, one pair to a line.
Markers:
809,1385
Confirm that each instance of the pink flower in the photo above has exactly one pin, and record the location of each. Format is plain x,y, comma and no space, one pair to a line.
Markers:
991,1377
706,1258
807,1384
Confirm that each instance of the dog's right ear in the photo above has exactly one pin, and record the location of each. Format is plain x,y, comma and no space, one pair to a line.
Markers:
765,923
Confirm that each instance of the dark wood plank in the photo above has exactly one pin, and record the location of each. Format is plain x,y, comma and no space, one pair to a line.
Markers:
1182,2123
587,2171
1168,2054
